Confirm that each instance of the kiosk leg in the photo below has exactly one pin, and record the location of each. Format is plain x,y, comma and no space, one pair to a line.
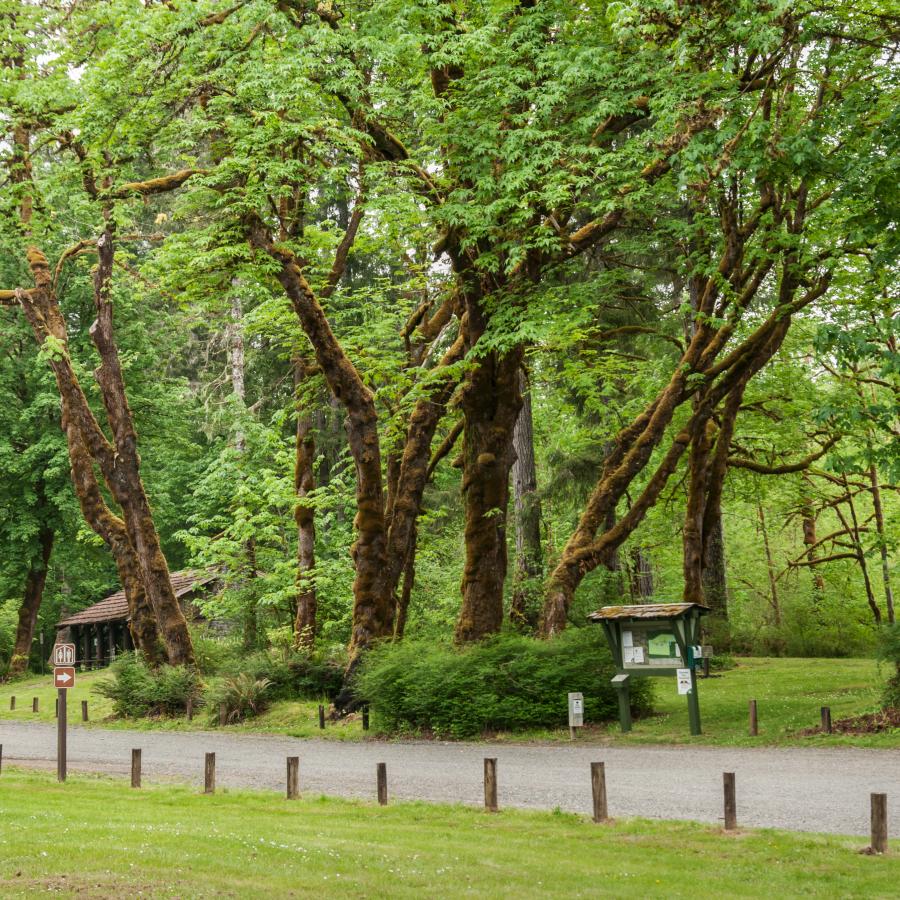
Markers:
624,706
694,705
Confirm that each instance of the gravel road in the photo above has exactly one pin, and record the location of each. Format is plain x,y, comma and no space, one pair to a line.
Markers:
812,789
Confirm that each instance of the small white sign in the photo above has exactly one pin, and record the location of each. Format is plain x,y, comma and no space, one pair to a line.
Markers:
683,676
627,639
64,655
638,654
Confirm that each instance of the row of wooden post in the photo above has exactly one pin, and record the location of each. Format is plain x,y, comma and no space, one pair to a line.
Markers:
223,711
36,707
879,819
754,719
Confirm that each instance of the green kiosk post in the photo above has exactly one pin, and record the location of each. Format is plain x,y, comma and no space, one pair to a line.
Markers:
654,639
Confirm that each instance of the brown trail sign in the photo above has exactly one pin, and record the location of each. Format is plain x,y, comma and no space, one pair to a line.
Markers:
64,677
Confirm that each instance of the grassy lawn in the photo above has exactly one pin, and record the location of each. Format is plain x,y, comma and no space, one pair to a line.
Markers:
789,692
97,838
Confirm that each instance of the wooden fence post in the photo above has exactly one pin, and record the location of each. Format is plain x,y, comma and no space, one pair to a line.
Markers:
84,711
598,790
365,717
381,771
12,702
730,801
293,777
321,716
35,705
209,773
754,721
135,768
826,719
490,784
190,709
223,715
879,823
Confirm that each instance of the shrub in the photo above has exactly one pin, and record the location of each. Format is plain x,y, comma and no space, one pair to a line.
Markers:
243,698
297,675
138,691
508,682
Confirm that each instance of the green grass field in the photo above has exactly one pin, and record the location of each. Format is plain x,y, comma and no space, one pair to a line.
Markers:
789,692
95,838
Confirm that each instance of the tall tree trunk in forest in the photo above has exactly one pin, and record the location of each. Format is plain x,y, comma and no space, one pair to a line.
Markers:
770,565
529,554
118,461
490,403
33,595
810,540
141,617
409,577
641,575
121,468
882,543
304,514
715,573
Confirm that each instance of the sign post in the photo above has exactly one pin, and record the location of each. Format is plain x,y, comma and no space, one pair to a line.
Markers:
63,679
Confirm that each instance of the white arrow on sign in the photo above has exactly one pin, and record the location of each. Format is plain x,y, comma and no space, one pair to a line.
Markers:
64,676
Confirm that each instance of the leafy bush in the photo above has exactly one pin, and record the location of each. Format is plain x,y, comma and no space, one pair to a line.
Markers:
138,691
509,682
297,675
243,698
889,652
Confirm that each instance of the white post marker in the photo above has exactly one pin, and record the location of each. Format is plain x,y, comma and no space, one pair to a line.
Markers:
683,677
576,712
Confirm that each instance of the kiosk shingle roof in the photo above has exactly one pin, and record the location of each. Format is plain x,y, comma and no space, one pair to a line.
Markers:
646,611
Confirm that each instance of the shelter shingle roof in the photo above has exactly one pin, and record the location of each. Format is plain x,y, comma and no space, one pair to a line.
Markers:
115,607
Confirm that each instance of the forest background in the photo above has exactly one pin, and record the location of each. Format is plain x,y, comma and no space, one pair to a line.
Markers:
429,320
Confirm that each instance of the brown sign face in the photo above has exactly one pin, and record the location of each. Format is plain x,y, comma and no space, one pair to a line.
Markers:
64,677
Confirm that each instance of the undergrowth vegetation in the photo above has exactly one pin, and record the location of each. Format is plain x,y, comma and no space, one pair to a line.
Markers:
506,683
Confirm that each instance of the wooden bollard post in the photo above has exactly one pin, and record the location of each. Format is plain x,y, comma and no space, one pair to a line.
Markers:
12,702
490,784
826,719
381,777
365,718
35,705
730,801
135,768
190,709
321,716
223,714
293,777
598,790
209,773
84,710
754,720
879,823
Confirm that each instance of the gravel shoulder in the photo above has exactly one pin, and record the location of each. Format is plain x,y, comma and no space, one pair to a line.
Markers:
809,789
